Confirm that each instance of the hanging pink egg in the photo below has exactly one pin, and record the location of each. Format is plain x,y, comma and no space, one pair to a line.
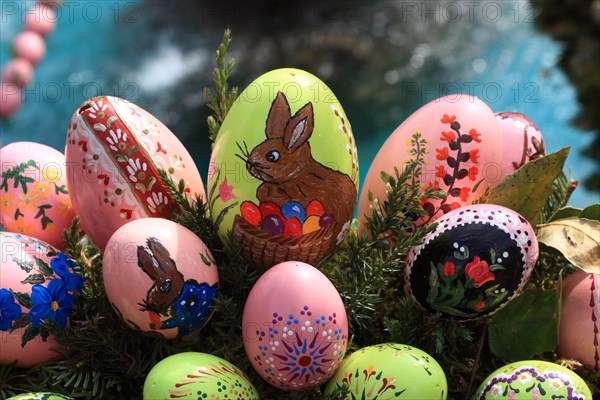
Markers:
30,46
115,150
18,71
10,99
42,19
295,328
522,141
463,149
580,319
34,197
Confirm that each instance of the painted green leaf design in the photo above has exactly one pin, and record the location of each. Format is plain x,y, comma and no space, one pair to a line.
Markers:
21,322
34,278
527,326
43,266
30,333
578,239
26,266
23,299
527,189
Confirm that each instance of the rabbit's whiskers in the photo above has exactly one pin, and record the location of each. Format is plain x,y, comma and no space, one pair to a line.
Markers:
244,159
244,150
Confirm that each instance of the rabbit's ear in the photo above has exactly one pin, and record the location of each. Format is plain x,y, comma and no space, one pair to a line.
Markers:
279,115
299,128
146,263
165,263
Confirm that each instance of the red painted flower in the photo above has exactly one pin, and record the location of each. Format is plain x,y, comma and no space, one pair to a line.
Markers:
475,135
446,119
449,136
479,271
464,193
454,206
480,305
473,171
442,154
474,155
440,171
449,268
226,191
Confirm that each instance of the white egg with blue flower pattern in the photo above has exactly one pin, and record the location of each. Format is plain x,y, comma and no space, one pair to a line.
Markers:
39,286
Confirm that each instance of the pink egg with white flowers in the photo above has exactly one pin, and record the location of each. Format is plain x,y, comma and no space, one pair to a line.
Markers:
38,286
34,197
295,329
522,141
580,320
115,150
461,146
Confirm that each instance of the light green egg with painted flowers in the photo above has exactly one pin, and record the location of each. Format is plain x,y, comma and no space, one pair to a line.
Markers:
193,375
283,176
390,371
533,380
40,396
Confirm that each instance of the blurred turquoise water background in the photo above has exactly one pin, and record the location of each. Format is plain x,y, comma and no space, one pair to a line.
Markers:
382,59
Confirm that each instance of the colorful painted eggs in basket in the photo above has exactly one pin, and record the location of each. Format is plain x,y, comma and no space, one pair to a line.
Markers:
115,150
40,396
295,329
160,277
580,319
34,198
533,379
476,260
37,287
197,376
285,148
390,371
461,146
522,141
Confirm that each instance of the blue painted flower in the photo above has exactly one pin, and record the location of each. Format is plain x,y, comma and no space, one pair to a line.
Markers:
67,270
53,302
9,310
192,308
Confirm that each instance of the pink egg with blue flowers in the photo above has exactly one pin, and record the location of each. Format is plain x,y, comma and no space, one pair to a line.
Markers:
39,286
295,328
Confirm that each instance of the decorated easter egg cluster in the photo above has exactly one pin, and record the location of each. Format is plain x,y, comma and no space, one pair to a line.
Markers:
291,219
242,290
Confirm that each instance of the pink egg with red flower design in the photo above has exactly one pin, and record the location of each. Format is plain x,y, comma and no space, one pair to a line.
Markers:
477,259
34,197
580,320
522,141
295,329
462,149
38,286
114,151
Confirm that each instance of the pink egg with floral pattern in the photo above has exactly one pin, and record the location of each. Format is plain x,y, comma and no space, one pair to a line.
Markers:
522,141
473,263
460,142
38,286
580,320
115,150
34,197
295,329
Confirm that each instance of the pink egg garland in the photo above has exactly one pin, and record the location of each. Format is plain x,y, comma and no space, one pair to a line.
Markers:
30,46
10,99
42,19
295,327
18,71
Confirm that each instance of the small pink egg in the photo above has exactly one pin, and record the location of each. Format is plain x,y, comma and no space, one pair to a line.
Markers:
35,199
42,19
18,71
10,99
38,283
522,141
580,319
30,46
295,329
51,3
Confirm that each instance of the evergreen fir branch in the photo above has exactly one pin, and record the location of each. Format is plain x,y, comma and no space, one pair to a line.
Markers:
222,99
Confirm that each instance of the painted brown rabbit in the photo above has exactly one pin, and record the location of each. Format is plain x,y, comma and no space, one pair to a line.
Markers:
289,172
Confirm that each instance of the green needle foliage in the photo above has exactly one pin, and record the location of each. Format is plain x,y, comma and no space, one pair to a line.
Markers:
108,360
